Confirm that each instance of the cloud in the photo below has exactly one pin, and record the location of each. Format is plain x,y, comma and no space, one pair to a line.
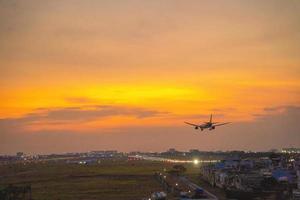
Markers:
278,110
278,127
271,130
76,114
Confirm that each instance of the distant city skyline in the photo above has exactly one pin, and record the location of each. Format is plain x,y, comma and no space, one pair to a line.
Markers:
125,75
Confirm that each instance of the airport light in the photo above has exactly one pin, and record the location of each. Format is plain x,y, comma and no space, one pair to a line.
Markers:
196,162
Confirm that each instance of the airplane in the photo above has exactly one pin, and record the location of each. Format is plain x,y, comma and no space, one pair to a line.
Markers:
207,125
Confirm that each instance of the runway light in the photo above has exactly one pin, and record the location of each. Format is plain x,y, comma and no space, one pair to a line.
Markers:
196,162
176,184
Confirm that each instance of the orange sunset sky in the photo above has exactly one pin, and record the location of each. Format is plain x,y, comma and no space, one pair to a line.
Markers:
94,75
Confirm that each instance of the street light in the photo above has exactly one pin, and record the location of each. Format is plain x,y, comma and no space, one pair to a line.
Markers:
196,162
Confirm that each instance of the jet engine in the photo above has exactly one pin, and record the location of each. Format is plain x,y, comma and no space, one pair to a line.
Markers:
212,128
196,127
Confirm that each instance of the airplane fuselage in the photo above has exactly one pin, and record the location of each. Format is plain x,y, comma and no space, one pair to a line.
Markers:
207,125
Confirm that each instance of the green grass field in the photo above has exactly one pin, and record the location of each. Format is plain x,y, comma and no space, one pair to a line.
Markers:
109,180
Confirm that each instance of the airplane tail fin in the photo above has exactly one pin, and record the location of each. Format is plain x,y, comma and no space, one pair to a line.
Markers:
210,120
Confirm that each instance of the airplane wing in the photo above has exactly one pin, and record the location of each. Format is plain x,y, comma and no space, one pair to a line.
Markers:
191,124
222,124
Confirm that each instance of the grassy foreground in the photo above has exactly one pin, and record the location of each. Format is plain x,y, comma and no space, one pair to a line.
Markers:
113,179
108,180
